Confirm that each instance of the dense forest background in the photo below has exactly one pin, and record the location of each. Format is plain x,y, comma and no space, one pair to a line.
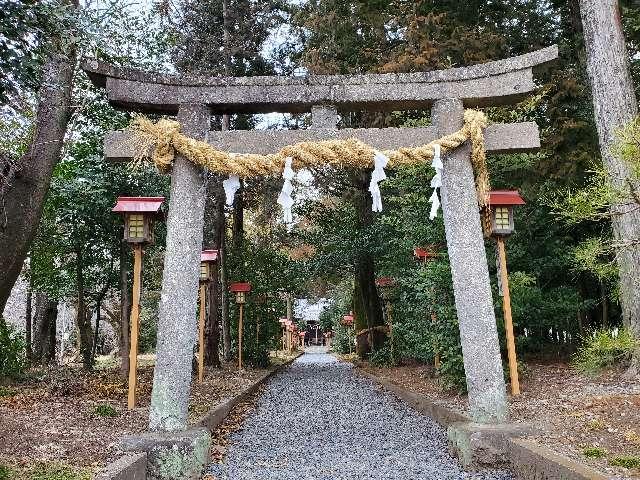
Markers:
563,283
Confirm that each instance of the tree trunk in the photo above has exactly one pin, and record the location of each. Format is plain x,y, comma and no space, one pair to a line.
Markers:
237,232
83,316
615,105
212,331
96,330
214,231
28,323
44,328
224,298
604,298
125,310
368,300
21,205
221,227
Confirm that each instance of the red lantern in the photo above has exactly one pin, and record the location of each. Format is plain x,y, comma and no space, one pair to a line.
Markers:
240,289
207,259
502,203
425,254
347,320
139,215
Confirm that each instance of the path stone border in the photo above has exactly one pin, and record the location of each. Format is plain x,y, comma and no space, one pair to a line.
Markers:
217,414
127,467
133,466
527,460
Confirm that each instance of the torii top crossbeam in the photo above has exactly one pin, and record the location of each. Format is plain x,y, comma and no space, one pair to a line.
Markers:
494,83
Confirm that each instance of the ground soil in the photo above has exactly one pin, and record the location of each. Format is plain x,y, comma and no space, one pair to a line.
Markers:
569,411
50,416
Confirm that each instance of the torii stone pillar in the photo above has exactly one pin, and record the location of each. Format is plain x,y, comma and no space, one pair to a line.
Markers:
174,451
176,326
471,286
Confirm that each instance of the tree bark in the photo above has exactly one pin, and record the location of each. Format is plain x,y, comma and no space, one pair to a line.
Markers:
237,229
368,310
46,312
83,316
21,205
96,330
615,105
224,300
213,232
212,330
28,322
221,227
125,310
604,298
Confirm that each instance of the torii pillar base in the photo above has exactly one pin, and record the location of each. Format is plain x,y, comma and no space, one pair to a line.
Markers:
480,446
172,455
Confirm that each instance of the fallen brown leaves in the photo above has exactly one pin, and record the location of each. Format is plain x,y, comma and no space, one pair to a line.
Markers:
220,438
51,415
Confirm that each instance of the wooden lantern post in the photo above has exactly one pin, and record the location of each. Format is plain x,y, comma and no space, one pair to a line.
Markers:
139,215
240,289
425,255
501,203
207,259
283,325
347,321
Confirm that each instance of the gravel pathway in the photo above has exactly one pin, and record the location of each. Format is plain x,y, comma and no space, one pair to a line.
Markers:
319,420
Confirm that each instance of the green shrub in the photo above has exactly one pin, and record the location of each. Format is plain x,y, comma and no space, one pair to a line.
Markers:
6,392
604,349
594,452
57,471
382,356
4,472
523,370
626,461
12,351
105,410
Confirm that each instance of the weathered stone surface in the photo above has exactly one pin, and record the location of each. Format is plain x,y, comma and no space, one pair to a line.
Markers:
177,321
493,83
174,455
127,467
499,138
324,116
530,461
472,290
479,446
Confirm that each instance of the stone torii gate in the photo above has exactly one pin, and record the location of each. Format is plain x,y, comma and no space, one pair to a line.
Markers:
194,98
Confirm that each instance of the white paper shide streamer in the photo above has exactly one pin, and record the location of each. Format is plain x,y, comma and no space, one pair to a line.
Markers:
231,186
380,161
284,199
436,181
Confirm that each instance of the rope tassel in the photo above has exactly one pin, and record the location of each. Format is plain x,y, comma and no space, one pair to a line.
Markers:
284,199
380,161
436,182
231,186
